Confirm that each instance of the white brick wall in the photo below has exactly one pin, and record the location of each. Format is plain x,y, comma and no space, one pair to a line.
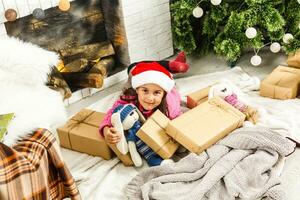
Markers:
148,29
147,24
23,8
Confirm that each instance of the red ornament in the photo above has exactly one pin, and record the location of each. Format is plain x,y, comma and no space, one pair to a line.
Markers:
10,15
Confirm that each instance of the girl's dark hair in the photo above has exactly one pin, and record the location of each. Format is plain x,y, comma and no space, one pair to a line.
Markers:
130,95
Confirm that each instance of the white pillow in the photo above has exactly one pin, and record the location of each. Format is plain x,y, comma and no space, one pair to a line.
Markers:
23,73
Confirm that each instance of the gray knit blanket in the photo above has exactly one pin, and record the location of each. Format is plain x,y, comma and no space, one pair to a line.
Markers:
244,165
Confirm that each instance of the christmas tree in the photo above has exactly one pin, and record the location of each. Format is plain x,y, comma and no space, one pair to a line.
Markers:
229,26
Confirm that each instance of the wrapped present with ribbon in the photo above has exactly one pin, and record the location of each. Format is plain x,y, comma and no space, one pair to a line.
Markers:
282,83
81,133
205,124
153,133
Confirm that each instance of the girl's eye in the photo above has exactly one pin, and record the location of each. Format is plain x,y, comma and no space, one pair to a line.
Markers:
157,93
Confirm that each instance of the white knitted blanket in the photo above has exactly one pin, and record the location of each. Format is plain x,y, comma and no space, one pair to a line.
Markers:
244,165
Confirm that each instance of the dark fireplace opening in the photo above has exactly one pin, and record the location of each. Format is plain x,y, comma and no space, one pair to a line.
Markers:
88,38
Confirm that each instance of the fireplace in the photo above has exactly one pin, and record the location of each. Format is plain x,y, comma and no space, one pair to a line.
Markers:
103,36
79,36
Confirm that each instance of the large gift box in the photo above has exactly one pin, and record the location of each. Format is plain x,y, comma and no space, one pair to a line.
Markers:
282,83
153,133
205,124
293,60
81,133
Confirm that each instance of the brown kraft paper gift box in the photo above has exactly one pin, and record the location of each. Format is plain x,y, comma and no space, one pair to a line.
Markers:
153,133
97,118
204,125
197,97
94,120
293,60
81,133
282,83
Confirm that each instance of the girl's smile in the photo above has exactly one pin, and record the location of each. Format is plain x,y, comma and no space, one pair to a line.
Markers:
150,95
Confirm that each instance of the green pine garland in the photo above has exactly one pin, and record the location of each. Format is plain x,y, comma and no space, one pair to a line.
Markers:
181,27
222,28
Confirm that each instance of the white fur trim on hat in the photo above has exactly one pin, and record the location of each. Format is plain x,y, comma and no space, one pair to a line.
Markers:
154,77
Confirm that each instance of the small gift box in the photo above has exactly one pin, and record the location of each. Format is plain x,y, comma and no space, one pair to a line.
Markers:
153,133
197,97
282,83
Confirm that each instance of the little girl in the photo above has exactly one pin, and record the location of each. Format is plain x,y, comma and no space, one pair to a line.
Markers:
152,87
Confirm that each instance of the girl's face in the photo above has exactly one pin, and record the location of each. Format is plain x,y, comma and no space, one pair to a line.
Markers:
150,95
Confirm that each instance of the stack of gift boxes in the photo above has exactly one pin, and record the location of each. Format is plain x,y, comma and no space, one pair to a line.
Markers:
196,130
207,121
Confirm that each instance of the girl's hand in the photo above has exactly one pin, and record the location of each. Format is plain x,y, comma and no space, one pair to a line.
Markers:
111,135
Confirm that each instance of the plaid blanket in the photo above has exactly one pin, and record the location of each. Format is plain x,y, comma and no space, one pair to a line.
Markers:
34,169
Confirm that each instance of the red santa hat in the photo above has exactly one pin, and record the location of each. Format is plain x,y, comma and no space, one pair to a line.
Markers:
152,72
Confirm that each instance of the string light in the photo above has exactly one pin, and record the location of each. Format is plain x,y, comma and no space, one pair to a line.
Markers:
215,2
287,37
251,32
255,60
275,47
64,5
10,15
39,13
198,12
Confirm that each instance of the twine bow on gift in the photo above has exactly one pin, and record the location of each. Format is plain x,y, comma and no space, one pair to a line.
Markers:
216,105
227,108
74,123
80,118
169,140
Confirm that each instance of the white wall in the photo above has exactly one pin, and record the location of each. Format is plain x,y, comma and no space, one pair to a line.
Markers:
148,29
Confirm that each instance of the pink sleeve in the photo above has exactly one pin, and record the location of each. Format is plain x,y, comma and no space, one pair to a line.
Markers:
107,118
173,101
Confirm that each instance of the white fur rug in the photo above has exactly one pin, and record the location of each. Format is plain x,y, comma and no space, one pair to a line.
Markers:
24,68
100,179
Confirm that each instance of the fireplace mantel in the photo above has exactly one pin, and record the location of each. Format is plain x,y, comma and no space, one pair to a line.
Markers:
147,26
